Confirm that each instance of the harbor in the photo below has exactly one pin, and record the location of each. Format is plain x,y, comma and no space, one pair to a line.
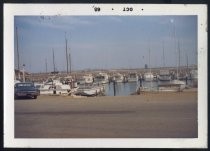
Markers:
112,83
78,83
175,75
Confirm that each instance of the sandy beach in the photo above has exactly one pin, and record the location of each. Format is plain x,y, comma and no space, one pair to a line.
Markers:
156,115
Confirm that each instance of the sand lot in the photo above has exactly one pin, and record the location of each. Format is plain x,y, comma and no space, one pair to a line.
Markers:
158,115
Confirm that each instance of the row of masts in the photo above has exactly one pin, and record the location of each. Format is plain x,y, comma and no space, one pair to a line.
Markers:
68,59
176,48
68,56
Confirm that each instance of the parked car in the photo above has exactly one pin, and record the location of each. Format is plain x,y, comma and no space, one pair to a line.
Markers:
26,89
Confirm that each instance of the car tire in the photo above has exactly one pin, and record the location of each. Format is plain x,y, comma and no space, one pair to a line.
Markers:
35,97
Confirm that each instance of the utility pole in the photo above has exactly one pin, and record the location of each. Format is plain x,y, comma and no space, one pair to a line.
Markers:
66,55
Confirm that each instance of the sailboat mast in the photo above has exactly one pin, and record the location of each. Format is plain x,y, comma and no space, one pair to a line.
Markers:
163,56
175,49
46,65
187,61
70,62
18,59
67,68
53,61
150,69
149,61
179,55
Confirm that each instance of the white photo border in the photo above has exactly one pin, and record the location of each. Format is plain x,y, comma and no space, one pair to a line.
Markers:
11,10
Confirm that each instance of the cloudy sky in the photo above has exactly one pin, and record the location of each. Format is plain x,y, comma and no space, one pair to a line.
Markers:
105,42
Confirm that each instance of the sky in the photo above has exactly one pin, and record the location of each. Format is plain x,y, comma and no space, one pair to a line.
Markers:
104,42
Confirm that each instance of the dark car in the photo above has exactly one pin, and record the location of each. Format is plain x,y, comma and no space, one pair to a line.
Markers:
26,89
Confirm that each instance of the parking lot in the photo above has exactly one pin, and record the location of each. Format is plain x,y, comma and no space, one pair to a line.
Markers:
164,115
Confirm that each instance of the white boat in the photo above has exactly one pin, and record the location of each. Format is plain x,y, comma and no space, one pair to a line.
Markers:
148,76
194,74
164,75
101,78
172,86
70,81
118,78
132,77
54,87
194,77
165,83
86,79
89,90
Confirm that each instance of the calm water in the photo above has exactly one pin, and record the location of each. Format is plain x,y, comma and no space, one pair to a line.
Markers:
125,89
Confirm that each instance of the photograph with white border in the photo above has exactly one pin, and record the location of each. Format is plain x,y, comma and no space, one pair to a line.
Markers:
105,75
